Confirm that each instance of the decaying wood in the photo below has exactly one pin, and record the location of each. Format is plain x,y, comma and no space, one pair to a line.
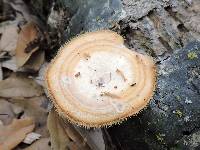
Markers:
158,28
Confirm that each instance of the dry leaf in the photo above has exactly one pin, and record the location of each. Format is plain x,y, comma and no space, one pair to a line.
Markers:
40,78
19,86
63,135
42,144
13,134
6,112
59,139
10,64
94,137
35,61
34,108
20,7
9,37
27,43
9,29
14,42
1,73
31,137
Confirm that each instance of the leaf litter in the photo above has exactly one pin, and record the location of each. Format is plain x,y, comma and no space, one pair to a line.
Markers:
24,107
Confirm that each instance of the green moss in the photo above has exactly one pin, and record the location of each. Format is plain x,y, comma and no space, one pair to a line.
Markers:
176,148
179,113
159,138
98,18
192,55
176,56
178,97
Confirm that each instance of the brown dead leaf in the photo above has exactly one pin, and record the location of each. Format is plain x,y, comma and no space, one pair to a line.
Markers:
31,137
10,64
34,108
33,64
13,134
21,8
9,37
35,61
63,135
1,73
27,43
41,74
19,86
93,137
59,139
42,144
6,112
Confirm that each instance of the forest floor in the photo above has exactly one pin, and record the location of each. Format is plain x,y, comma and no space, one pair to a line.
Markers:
162,30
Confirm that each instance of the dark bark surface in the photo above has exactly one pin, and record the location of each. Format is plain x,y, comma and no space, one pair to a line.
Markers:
174,111
169,31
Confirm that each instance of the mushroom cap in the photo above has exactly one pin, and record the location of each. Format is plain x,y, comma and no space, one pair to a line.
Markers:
96,81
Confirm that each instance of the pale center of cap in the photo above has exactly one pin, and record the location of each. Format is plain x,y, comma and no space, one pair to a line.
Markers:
102,75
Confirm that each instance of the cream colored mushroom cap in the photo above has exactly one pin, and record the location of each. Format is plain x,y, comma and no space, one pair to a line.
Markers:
96,81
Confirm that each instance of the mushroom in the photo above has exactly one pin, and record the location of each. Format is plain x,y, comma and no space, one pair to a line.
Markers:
86,103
